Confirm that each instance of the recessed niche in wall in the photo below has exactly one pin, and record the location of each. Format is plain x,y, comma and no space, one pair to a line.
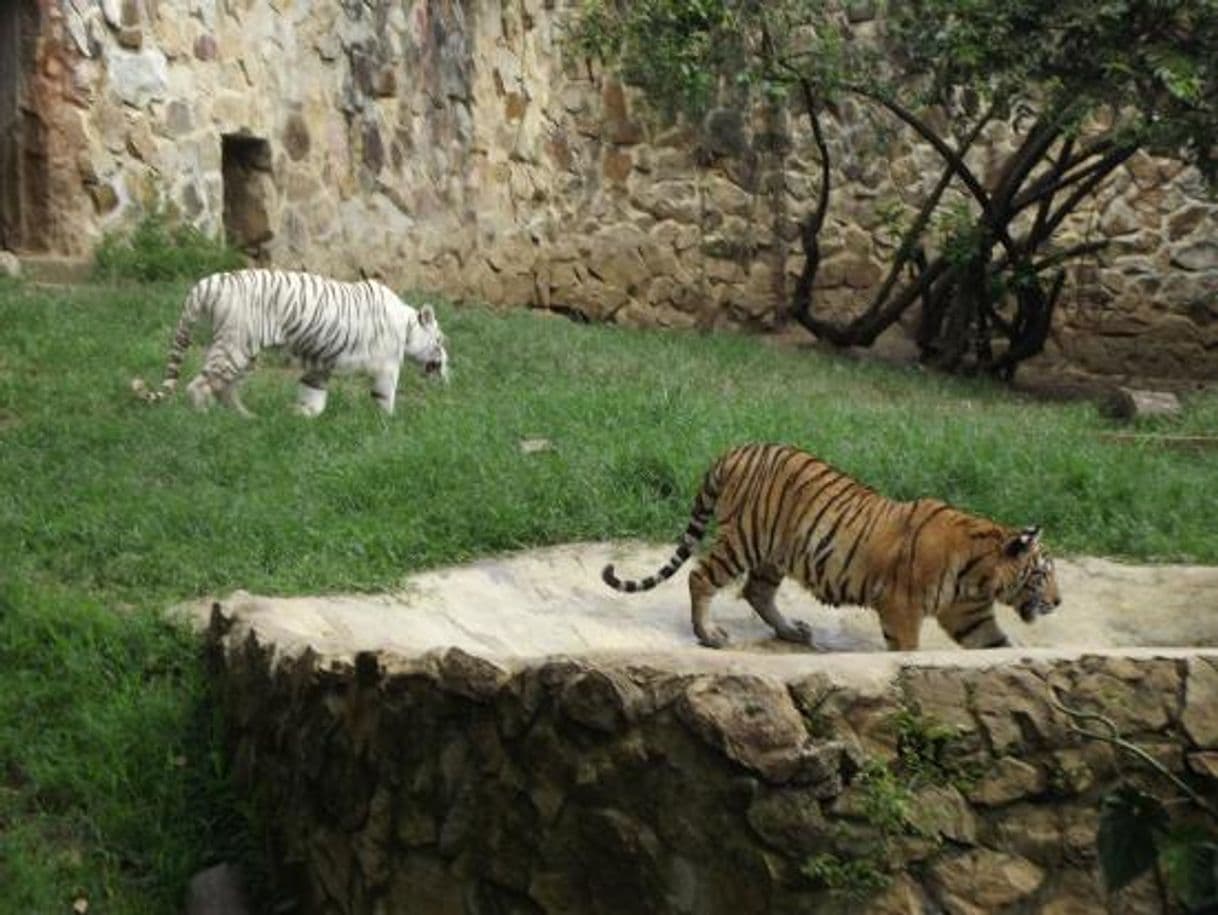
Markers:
25,215
248,192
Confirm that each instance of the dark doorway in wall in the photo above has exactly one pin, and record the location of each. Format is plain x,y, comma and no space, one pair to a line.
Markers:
248,192
24,209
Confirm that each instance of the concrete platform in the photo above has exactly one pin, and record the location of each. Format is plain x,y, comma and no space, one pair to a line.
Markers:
519,607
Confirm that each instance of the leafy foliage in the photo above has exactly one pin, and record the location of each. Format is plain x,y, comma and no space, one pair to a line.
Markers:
160,249
1145,65
674,48
1136,832
855,878
1083,85
1131,823
1189,859
929,751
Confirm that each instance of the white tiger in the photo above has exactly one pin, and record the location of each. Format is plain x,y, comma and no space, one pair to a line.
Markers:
330,326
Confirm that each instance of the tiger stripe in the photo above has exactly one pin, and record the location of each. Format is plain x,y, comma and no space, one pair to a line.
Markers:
783,512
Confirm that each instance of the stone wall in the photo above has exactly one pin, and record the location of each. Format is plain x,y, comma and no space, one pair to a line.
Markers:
449,783
453,147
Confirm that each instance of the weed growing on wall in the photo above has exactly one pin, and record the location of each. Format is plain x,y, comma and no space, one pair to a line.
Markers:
929,752
160,248
855,878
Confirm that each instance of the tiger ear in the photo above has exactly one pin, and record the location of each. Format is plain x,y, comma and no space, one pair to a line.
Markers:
1024,541
427,317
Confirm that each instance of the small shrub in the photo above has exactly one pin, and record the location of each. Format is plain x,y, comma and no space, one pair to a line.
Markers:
855,878
929,752
884,800
161,249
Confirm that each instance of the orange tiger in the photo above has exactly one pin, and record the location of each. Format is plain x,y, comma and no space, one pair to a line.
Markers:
782,511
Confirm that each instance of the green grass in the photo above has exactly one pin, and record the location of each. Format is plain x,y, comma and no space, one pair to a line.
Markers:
111,785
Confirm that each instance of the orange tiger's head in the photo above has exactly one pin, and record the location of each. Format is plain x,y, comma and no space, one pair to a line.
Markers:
1030,585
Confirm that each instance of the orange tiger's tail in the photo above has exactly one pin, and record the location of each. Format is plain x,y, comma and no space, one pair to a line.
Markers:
704,508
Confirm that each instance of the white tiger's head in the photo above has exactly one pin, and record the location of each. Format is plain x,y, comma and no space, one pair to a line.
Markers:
429,346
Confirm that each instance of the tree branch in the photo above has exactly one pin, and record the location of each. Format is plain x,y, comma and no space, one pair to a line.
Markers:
904,252
1114,738
949,155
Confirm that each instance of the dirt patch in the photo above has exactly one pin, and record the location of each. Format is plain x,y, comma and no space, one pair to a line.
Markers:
551,601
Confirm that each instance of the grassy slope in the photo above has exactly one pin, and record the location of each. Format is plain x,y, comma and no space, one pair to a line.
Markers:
110,510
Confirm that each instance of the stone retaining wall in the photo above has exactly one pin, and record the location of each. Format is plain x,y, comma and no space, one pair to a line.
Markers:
451,784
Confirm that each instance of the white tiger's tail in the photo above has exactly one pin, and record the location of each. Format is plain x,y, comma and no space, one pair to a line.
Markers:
191,310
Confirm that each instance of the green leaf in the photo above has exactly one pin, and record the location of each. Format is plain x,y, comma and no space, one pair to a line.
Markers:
1130,824
1189,858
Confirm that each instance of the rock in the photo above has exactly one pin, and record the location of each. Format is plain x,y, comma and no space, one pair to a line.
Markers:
328,46
860,11
729,199
617,166
112,11
724,132
205,47
1200,717
178,119
1032,831
623,873
104,197
192,201
535,445
1007,780
617,126
614,256
296,139
938,694
141,143
131,37
470,676
1204,763
903,896
1184,221
669,200
940,810
1200,255
601,700
750,719
790,820
374,149
425,880
1013,708
1119,219
219,890
1128,404
981,881
78,31
10,266
139,77
1076,893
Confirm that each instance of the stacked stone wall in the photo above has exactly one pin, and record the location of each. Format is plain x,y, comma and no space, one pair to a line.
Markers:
449,783
455,148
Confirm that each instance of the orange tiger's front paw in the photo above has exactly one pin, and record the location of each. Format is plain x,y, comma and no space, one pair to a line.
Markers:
713,637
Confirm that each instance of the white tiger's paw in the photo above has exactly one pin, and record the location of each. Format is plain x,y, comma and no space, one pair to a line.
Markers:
714,637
